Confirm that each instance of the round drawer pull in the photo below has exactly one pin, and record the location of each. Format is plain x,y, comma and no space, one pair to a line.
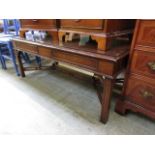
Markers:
146,94
151,65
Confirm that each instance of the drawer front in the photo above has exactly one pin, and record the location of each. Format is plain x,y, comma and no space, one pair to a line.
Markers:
146,33
78,60
143,63
45,52
106,67
26,47
38,23
82,23
141,92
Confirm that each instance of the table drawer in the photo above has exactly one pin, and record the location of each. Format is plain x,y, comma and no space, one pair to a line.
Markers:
78,60
45,52
38,23
141,92
82,23
146,33
26,47
143,63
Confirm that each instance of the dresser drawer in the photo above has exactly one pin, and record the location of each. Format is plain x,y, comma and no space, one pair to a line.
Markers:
141,92
143,63
38,23
78,60
26,47
83,23
146,33
45,52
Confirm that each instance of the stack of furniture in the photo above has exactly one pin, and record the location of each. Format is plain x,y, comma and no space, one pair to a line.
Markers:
139,88
72,42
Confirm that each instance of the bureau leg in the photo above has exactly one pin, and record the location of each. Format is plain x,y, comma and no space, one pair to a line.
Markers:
55,38
61,34
21,68
106,98
120,108
101,42
22,33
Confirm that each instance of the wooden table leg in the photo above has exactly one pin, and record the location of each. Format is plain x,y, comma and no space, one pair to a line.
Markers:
21,68
106,98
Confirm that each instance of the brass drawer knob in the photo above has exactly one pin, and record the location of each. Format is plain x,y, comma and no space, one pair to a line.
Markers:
146,94
151,65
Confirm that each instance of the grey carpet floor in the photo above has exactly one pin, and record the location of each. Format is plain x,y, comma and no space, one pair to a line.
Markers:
51,102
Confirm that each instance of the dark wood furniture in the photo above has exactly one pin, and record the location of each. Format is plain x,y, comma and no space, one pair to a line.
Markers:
105,66
139,89
49,25
104,31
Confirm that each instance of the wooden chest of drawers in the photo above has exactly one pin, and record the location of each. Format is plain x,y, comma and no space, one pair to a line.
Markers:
38,23
103,31
48,25
139,88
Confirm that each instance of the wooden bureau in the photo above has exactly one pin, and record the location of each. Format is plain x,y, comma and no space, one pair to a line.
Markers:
139,89
104,31
48,25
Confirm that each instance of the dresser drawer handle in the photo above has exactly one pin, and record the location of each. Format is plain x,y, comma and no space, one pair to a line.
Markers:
147,95
151,65
34,20
77,20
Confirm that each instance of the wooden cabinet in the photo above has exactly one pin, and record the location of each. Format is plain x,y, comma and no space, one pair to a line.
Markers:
48,25
105,32
139,88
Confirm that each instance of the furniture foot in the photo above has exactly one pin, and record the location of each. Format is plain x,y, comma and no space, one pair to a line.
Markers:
61,34
119,108
54,34
101,42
